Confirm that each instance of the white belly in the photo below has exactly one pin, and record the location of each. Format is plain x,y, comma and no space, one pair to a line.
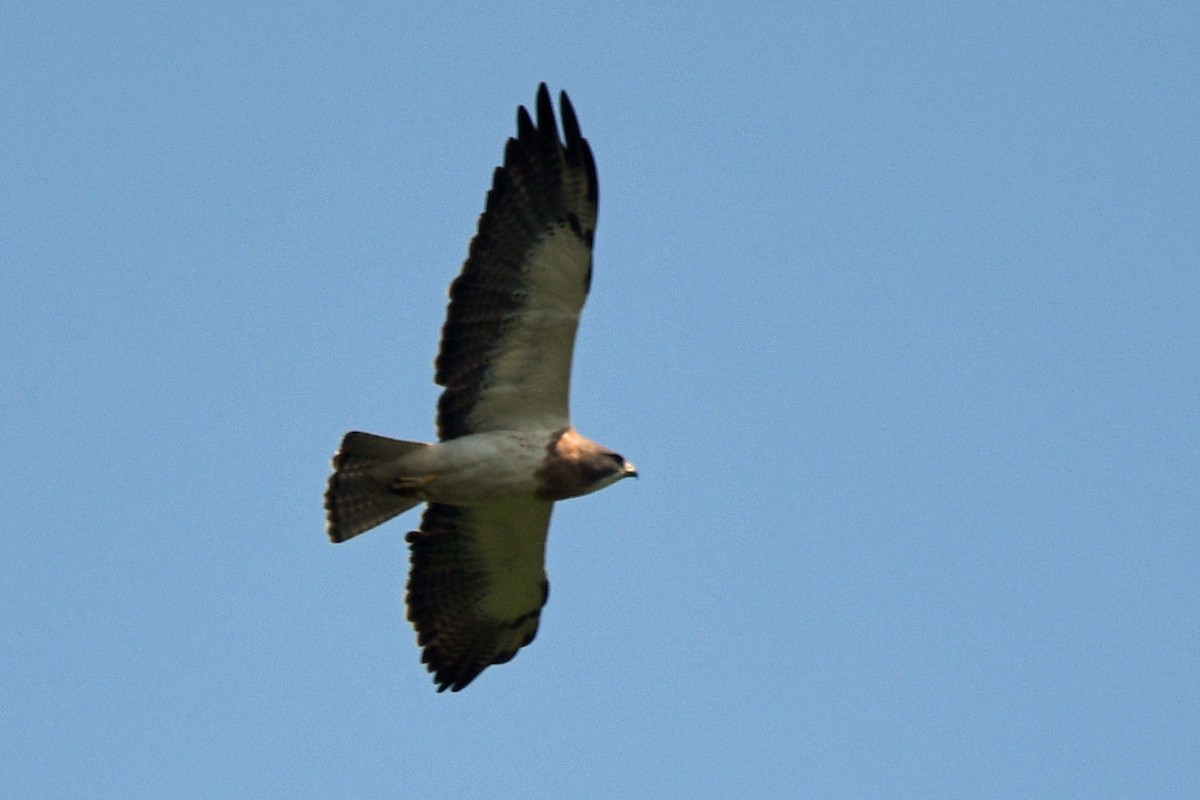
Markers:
484,467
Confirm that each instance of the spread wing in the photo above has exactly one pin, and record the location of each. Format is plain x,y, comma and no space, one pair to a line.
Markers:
505,358
477,585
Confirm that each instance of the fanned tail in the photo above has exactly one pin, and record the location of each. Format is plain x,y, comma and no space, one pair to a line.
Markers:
364,490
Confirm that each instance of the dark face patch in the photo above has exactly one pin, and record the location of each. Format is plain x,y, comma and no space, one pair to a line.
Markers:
594,470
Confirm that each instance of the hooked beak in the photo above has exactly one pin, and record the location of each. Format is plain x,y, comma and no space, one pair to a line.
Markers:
630,470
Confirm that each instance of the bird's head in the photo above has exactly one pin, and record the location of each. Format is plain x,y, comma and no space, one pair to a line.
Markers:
578,466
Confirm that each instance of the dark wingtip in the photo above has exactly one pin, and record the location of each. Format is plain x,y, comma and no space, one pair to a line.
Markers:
547,126
454,678
577,147
525,127
570,121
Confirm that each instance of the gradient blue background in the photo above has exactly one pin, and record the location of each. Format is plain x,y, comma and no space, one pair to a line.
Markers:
897,310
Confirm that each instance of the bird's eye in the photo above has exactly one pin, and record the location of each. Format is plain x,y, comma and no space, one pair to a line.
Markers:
617,458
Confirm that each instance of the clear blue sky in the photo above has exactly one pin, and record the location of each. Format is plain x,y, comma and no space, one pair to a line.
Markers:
897,310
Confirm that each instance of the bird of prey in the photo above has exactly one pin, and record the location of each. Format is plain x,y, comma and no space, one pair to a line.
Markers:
506,450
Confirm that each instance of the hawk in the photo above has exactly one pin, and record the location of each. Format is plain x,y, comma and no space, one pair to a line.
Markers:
506,451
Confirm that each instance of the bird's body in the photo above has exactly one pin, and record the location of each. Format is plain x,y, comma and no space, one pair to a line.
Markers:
506,449
471,470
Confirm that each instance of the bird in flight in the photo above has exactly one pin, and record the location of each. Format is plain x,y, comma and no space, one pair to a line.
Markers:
506,449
